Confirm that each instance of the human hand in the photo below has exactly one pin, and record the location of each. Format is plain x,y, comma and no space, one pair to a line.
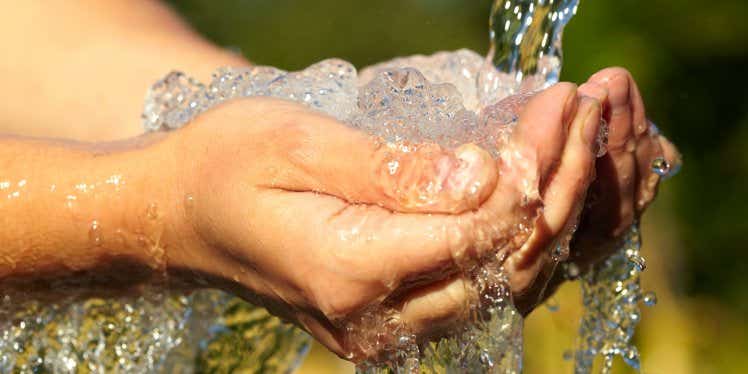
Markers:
312,219
626,183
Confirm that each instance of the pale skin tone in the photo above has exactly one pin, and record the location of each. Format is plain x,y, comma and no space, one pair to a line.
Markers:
280,205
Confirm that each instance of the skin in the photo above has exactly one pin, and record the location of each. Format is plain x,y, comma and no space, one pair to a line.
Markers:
283,206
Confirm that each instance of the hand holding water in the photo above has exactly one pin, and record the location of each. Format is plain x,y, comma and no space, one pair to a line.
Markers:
629,174
300,213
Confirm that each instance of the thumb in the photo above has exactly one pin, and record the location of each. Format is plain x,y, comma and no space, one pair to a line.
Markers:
419,178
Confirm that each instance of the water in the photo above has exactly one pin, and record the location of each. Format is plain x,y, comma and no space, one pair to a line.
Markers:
208,331
449,98
611,293
525,51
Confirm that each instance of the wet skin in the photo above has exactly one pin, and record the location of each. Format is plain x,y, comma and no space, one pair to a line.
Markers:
297,212
282,206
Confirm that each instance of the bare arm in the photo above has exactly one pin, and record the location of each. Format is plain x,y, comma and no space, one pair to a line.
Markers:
80,69
84,213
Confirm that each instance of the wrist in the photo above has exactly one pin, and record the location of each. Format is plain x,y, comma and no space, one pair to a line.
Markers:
88,216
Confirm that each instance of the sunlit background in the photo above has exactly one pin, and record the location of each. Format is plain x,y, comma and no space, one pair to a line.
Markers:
691,61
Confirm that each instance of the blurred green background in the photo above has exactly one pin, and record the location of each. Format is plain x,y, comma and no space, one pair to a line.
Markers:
690,59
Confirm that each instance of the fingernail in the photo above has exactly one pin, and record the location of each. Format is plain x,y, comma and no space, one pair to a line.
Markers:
469,160
619,98
472,175
594,90
570,104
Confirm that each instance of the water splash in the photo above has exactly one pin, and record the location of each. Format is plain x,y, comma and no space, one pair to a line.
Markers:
157,332
525,51
611,293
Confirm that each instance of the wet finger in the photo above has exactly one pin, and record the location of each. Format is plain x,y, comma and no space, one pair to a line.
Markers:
433,309
541,132
594,90
314,152
569,184
565,192
625,109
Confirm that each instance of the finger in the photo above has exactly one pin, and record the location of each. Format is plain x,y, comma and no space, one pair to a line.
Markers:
614,191
564,195
433,309
320,154
594,90
626,115
569,184
599,93
540,134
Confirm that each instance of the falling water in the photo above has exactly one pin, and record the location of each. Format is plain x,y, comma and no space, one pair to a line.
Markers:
525,51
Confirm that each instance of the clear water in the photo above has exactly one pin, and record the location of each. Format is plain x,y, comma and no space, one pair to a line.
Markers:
525,46
611,293
208,331
448,98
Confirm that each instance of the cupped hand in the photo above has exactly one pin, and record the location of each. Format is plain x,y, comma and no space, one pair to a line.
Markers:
626,182
319,222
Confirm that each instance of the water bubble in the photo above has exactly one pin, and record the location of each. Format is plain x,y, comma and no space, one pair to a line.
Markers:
70,200
572,271
189,203
650,299
660,167
639,261
552,304
631,357
393,166
142,241
152,211
94,233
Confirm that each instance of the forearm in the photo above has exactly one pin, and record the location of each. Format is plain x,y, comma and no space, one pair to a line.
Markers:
79,212
74,69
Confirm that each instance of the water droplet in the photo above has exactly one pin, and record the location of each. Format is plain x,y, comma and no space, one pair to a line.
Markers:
641,263
650,299
94,233
142,241
393,166
568,355
632,358
660,167
552,304
189,204
152,211
572,271
70,200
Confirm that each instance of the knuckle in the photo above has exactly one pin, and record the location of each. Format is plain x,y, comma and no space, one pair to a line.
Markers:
618,72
